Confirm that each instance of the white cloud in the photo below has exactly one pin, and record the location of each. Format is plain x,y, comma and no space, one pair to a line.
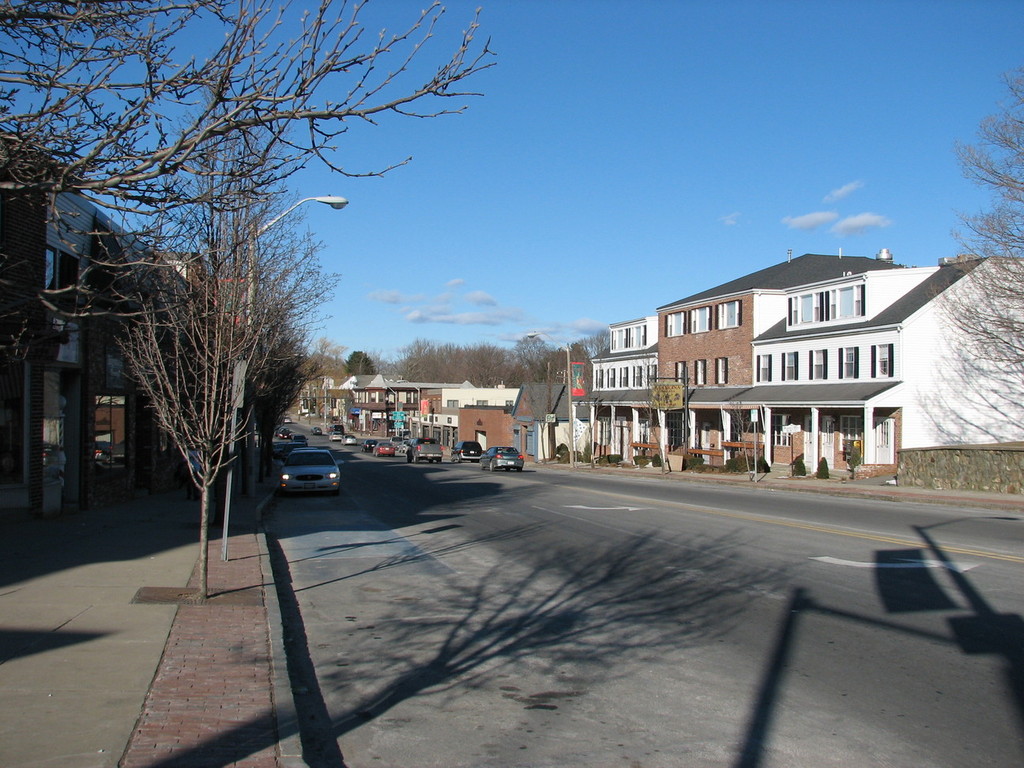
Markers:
393,297
481,299
731,219
857,225
810,220
455,283
438,315
843,191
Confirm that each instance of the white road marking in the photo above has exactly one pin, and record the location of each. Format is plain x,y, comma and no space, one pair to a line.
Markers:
909,563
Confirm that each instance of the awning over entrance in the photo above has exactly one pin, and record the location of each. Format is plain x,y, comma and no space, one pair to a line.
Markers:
811,395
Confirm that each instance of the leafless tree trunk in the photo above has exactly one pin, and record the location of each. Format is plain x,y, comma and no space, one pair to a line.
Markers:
223,307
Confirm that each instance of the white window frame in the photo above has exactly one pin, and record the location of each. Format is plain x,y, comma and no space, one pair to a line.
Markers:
722,370
729,314
674,324
700,320
700,373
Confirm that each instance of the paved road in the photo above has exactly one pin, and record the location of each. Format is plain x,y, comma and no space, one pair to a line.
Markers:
461,618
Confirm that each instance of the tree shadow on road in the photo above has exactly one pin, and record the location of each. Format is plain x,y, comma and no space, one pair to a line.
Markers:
633,600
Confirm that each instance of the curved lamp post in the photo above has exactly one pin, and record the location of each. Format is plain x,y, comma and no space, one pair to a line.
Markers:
337,203
249,479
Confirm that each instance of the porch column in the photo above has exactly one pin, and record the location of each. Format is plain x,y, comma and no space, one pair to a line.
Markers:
868,453
614,436
634,431
811,448
766,433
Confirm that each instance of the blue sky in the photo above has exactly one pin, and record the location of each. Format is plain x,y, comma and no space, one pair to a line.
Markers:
627,154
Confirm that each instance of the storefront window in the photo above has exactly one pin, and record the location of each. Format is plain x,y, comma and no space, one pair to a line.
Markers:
12,428
109,424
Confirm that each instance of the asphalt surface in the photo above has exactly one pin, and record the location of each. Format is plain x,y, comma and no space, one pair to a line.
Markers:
106,659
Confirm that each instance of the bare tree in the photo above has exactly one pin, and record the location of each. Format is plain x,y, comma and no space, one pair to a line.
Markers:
116,97
988,308
217,311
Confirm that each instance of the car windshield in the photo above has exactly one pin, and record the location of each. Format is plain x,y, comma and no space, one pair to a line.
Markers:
507,451
309,458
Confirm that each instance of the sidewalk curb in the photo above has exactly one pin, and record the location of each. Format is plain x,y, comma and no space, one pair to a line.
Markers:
289,740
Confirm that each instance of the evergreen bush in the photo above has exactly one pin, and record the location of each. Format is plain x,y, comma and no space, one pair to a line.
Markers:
799,468
822,473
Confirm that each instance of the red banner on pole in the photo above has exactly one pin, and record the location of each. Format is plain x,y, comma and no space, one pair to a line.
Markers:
576,378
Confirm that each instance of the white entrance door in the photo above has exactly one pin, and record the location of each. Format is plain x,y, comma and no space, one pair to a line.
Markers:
828,439
884,448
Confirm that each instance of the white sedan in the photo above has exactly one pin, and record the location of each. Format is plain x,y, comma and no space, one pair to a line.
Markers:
309,470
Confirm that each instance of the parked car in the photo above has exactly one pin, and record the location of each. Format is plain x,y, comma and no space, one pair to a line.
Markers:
283,433
501,457
316,431
368,445
423,449
346,440
384,448
308,470
282,448
299,439
466,450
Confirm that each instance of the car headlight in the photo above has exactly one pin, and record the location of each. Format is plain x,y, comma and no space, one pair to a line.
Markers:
286,477
333,475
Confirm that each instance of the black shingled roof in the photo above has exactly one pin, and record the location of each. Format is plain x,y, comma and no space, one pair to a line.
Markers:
895,313
809,268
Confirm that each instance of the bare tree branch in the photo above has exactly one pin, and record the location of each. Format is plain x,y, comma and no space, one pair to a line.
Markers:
108,94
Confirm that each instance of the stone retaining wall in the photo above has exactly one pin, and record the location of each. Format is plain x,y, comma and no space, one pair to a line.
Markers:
996,468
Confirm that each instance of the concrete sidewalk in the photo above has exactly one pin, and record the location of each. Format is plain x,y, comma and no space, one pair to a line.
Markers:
102,644
104,661
879,488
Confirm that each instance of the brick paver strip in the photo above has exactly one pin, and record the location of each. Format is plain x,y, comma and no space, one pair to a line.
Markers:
210,703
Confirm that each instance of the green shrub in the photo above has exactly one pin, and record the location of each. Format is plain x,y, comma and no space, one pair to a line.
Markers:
822,473
736,464
641,461
693,461
656,460
614,458
762,466
799,468
562,453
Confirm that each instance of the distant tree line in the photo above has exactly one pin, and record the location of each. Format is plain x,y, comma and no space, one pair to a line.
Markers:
484,364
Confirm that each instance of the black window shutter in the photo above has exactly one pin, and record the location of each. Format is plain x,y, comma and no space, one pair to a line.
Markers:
892,360
739,312
874,361
856,362
824,363
842,366
810,365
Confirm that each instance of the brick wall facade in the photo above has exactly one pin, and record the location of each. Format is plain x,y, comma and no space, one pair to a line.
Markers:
493,420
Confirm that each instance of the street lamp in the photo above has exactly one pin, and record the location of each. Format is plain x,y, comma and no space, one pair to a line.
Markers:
337,203
568,392
249,476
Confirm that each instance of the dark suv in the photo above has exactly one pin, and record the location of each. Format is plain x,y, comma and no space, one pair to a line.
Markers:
466,450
